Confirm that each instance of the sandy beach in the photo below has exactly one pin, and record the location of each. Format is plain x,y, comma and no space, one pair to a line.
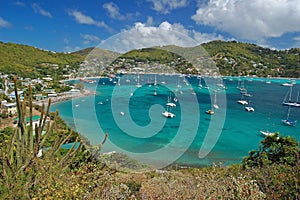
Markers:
65,97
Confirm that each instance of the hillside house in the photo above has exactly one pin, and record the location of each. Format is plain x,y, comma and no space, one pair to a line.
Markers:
9,108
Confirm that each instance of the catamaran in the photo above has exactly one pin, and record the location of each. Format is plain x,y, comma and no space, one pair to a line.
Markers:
170,103
168,114
242,101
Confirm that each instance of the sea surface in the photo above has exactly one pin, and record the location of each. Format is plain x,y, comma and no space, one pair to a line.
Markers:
132,117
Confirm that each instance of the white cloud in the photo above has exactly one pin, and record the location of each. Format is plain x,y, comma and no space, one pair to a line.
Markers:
84,19
66,41
165,6
4,23
113,11
251,19
72,49
19,3
142,36
149,21
297,39
38,9
88,39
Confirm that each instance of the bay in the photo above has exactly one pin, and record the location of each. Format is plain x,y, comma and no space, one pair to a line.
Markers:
137,128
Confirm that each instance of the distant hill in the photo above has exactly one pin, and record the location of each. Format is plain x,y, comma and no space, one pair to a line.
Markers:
96,52
28,61
231,58
236,58
153,60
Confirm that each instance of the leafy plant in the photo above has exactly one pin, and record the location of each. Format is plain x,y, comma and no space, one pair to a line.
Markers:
274,150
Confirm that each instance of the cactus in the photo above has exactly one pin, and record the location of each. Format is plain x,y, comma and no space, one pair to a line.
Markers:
21,155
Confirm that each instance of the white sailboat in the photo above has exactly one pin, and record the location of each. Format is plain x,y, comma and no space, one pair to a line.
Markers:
154,93
288,121
242,101
215,105
170,103
267,133
200,84
131,92
249,108
287,101
155,81
138,82
167,113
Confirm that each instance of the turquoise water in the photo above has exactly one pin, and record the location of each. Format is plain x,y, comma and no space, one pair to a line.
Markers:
143,133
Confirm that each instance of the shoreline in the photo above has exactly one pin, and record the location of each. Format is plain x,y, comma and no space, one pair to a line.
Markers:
65,97
224,76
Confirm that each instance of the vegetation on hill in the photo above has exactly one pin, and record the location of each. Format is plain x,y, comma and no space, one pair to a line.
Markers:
231,58
153,60
27,61
240,59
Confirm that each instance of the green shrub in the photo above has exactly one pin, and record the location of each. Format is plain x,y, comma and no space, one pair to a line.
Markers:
274,150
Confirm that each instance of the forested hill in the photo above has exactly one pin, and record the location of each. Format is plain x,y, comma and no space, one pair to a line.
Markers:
28,61
232,58
235,58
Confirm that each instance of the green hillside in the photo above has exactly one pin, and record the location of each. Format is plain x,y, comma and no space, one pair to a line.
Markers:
153,60
231,58
27,61
235,58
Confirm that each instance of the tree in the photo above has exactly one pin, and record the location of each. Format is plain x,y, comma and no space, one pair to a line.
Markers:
274,150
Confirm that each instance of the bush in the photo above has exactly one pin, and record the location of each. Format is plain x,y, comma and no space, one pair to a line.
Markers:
274,150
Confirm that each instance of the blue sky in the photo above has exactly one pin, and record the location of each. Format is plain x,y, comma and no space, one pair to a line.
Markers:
70,25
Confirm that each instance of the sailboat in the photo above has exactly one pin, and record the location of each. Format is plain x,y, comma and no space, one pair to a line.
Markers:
241,85
249,108
267,132
210,112
155,93
131,92
215,105
155,81
138,82
200,84
289,102
169,103
288,121
242,101
167,113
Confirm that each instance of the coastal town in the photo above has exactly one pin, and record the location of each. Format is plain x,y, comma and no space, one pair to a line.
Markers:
42,92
